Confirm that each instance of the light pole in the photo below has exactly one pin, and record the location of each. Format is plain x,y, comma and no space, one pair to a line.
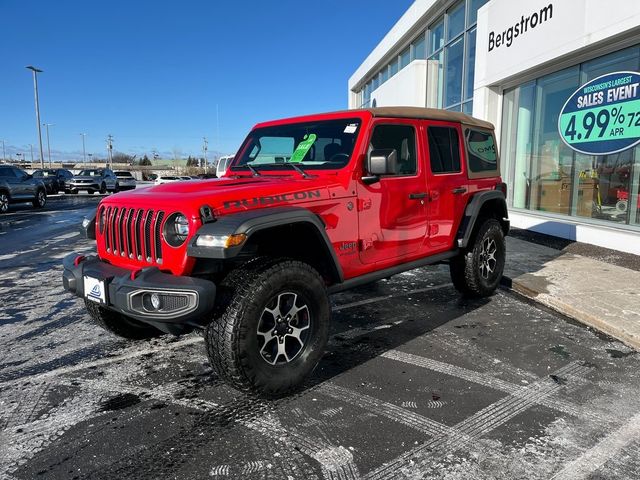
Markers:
204,151
48,145
31,146
90,155
35,90
4,155
84,153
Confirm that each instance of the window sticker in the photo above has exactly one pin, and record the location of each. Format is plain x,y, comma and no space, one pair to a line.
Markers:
303,147
351,128
486,150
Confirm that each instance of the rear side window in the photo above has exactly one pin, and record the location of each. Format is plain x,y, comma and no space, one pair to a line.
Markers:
444,149
402,138
481,148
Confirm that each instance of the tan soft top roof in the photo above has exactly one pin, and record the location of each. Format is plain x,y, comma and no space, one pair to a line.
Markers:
428,114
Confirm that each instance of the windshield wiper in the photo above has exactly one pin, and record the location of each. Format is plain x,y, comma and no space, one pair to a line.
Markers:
254,170
298,169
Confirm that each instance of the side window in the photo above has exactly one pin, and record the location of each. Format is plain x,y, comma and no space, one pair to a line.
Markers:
20,175
402,138
6,172
444,149
481,150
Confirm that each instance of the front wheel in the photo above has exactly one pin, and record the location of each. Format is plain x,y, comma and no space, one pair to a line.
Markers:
476,272
4,202
273,328
103,188
119,324
40,199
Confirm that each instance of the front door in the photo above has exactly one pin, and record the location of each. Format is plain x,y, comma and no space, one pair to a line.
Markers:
393,212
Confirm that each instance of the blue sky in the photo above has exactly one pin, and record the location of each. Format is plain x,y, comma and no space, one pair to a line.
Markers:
152,73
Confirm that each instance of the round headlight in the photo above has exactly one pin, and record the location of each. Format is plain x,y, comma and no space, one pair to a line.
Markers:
176,229
181,225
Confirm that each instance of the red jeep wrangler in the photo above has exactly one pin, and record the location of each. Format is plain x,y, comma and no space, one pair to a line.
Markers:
309,206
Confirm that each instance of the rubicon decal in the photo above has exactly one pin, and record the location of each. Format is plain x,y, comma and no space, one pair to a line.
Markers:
272,199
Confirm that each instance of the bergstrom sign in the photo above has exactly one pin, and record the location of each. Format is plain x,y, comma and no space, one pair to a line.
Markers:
520,27
603,116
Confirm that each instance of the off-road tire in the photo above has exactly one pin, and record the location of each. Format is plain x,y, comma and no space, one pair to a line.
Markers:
40,200
466,273
119,324
232,340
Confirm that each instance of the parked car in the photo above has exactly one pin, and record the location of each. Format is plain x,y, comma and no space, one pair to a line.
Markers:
16,186
185,177
166,179
126,181
55,179
92,180
223,164
349,198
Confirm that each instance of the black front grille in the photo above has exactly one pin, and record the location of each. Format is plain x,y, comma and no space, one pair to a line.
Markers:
132,233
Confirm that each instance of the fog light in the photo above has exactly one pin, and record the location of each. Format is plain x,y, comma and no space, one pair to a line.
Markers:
156,303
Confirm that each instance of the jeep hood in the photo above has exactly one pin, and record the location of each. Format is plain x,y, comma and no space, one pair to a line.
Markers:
227,194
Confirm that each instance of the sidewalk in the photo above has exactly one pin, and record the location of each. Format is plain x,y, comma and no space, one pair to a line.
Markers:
602,295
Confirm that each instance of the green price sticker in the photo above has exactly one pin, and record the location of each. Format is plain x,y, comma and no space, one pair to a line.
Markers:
303,147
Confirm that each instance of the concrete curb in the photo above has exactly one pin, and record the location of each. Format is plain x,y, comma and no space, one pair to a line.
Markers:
556,304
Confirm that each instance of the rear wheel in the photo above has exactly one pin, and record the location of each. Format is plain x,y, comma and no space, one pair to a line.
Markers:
40,199
477,271
272,328
119,324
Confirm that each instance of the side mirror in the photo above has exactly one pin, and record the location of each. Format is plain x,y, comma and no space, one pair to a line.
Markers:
381,162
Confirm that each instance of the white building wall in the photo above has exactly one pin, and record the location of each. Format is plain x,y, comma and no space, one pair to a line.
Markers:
407,88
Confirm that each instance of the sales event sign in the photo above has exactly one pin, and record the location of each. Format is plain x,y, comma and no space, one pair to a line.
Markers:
603,116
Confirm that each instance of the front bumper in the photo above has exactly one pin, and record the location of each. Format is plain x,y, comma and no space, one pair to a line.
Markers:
84,186
184,301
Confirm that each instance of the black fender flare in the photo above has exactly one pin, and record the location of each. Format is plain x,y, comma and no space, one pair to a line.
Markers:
472,211
253,221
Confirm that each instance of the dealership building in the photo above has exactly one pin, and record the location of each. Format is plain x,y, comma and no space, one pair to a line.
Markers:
516,64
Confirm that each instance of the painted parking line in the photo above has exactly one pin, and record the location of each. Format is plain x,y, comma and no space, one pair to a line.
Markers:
607,448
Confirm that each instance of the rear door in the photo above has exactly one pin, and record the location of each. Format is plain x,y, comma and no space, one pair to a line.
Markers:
447,181
393,212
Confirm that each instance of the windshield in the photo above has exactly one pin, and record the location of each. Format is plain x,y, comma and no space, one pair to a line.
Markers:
314,145
89,173
44,173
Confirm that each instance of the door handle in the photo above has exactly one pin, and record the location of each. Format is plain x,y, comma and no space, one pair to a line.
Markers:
459,191
417,196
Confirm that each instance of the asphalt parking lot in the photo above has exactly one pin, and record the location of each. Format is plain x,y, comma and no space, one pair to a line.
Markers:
416,383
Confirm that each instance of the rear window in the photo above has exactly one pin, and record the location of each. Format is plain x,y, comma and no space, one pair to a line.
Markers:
482,153
123,174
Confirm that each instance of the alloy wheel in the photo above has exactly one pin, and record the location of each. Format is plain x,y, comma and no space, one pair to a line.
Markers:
488,261
283,329
4,203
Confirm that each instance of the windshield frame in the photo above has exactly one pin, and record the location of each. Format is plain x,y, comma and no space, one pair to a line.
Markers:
239,164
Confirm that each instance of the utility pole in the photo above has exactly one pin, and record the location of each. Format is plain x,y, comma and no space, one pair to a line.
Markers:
48,144
4,155
35,89
84,152
31,147
204,151
110,150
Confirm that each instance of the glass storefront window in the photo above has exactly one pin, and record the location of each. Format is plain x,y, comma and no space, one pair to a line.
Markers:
474,5
546,175
455,21
384,75
436,37
435,80
404,58
393,67
467,108
419,51
453,72
470,64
